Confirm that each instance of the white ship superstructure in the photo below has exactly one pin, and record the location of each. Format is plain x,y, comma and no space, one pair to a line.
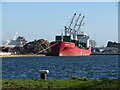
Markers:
75,33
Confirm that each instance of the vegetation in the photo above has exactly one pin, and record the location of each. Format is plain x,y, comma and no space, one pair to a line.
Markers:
113,44
75,83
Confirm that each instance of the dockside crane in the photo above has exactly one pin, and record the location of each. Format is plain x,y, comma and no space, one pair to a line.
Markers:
74,31
80,23
69,30
76,22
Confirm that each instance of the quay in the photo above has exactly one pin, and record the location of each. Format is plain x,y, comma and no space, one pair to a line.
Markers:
21,55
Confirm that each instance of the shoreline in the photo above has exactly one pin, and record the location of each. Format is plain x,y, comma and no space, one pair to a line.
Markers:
42,55
103,54
21,55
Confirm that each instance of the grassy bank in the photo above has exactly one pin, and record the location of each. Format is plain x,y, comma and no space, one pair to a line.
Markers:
75,83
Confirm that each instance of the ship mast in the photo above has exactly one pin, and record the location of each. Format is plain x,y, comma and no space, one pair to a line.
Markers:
80,23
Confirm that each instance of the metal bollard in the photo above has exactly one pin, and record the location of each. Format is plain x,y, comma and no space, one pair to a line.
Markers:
44,74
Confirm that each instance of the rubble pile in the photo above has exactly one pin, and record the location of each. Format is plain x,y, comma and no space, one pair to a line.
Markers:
35,47
18,50
4,49
114,44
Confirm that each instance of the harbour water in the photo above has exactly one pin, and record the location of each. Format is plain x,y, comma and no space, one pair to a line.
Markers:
93,67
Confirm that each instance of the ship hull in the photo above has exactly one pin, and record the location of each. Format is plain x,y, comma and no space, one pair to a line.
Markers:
62,48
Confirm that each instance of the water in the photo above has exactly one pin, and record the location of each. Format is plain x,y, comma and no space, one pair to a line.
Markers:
93,66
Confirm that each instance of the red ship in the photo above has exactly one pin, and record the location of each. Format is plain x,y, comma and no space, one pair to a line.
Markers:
74,42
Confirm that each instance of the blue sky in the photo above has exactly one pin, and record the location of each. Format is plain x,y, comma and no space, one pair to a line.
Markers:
35,20
0,23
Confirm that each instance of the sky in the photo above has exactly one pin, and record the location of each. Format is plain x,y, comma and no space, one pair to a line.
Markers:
0,23
44,20
119,22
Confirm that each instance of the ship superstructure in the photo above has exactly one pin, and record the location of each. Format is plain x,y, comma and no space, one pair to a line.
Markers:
75,39
74,34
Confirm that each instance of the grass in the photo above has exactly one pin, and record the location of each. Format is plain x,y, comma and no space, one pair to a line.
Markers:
74,83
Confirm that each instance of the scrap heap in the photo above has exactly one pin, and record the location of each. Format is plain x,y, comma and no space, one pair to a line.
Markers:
35,47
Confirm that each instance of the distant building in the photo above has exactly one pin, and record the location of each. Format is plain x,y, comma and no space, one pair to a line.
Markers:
96,50
105,50
19,41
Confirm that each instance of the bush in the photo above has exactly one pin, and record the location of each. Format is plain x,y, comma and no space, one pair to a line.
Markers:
76,78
